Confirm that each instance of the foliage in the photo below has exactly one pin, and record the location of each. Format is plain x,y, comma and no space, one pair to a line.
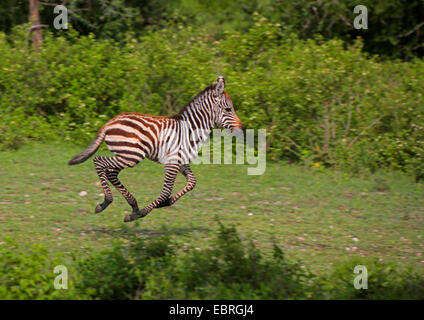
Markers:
395,26
320,102
385,281
229,269
107,275
28,276
152,270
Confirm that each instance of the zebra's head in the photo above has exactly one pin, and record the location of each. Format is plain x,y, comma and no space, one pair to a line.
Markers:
225,116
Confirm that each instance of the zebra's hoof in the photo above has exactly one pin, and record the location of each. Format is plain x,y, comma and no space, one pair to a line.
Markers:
101,206
98,209
142,213
165,203
130,217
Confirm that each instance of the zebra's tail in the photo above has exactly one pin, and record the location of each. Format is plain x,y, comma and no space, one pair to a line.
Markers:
91,149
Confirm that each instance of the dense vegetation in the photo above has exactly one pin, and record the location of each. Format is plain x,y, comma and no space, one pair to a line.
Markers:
319,101
295,68
229,269
395,26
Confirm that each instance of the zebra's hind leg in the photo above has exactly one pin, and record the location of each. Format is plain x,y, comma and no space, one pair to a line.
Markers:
101,172
191,183
109,168
171,171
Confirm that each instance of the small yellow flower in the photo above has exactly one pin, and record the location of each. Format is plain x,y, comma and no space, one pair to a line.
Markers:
316,164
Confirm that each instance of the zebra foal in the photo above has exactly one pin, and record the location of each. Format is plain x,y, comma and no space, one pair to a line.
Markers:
173,141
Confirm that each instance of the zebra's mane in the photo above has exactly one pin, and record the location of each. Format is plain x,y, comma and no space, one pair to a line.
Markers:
192,101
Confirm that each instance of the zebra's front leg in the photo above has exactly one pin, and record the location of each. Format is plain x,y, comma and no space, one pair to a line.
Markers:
112,176
171,171
191,183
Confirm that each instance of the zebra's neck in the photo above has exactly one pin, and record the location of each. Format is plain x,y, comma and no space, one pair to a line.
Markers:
196,119
198,114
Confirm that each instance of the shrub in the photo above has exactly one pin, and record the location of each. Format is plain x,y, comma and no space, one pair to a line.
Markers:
228,268
124,271
234,270
107,275
29,275
153,270
385,281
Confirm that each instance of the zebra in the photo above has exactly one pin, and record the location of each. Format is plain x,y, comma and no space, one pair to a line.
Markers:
173,141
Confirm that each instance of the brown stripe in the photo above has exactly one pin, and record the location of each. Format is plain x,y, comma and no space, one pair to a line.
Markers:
111,144
133,153
123,133
150,125
128,159
120,132
123,143
138,128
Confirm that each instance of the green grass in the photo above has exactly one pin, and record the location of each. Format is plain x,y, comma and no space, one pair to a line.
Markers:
314,214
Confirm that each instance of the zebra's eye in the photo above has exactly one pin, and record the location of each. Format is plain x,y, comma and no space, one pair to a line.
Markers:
228,109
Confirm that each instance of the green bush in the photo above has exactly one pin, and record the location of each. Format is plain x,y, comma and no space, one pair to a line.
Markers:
231,269
385,281
124,271
107,275
228,268
29,275
153,270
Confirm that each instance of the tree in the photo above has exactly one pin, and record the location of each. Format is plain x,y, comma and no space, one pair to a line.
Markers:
35,29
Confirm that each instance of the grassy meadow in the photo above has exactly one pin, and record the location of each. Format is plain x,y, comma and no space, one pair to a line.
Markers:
316,215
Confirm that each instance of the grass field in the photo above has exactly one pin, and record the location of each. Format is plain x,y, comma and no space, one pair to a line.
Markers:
317,215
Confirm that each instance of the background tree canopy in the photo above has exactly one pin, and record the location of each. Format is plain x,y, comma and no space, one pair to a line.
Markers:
396,27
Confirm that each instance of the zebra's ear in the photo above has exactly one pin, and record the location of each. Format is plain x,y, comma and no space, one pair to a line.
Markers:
220,85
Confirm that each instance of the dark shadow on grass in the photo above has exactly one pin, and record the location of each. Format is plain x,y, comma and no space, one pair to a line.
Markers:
127,233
